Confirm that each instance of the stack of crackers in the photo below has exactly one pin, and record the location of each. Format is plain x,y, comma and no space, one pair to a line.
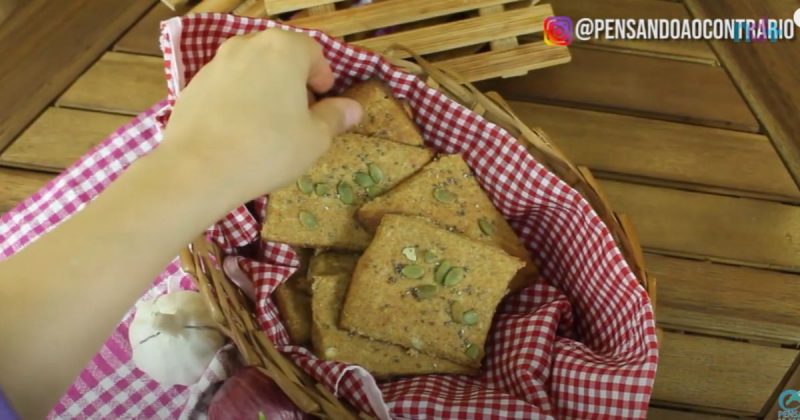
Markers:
407,257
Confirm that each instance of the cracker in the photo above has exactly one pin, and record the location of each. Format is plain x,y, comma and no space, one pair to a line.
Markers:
470,212
295,310
332,343
384,116
335,225
330,263
384,304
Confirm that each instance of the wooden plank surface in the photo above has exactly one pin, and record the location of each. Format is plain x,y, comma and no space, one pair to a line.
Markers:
59,137
748,231
142,38
120,83
656,413
638,85
43,54
386,13
726,300
665,150
792,382
464,32
280,6
486,65
718,373
697,51
766,73
16,185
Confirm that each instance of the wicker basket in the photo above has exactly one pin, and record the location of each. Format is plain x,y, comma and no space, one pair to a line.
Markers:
235,314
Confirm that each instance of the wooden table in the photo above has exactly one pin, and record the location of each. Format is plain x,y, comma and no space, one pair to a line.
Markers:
663,126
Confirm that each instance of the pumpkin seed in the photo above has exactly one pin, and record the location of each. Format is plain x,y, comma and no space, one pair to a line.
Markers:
470,317
363,179
307,219
441,271
441,194
410,252
305,184
413,271
457,312
425,291
375,173
322,189
453,276
473,351
374,191
486,226
261,416
345,192
430,256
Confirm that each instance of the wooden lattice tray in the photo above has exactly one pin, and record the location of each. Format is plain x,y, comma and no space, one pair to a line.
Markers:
476,39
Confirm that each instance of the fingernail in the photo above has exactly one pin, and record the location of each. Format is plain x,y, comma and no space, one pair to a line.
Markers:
353,113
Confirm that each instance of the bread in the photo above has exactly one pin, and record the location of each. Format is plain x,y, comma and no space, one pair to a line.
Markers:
384,116
330,263
295,310
446,316
332,343
312,213
469,211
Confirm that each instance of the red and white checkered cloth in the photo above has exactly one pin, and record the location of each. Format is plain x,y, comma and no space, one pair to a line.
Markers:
583,346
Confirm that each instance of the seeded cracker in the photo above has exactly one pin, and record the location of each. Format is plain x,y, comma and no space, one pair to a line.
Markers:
331,343
319,209
460,276
295,309
446,192
384,116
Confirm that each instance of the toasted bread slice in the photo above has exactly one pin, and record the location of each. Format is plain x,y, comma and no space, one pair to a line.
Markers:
315,213
331,343
295,309
468,210
384,116
419,286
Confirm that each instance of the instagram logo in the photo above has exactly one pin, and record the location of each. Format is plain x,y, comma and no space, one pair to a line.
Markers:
557,30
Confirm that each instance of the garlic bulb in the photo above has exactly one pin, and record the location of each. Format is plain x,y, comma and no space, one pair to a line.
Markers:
173,338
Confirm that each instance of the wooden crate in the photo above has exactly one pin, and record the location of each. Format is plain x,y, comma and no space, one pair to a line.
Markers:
478,39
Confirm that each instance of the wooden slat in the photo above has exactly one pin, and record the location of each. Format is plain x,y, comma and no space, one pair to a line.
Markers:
280,6
655,413
638,85
47,45
671,151
16,185
716,373
743,230
792,382
118,82
142,38
726,300
486,65
463,32
766,73
59,137
696,51
387,13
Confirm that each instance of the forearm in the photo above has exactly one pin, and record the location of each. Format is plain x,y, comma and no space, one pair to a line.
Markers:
93,267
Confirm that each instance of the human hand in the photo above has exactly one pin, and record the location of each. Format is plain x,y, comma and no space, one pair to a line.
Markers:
245,118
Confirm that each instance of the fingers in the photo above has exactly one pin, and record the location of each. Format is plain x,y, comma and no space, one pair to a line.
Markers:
336,115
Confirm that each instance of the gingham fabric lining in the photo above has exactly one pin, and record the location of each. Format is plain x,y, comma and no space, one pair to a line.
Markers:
584,347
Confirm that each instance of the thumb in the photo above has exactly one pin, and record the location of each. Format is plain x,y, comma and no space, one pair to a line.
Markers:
337,115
